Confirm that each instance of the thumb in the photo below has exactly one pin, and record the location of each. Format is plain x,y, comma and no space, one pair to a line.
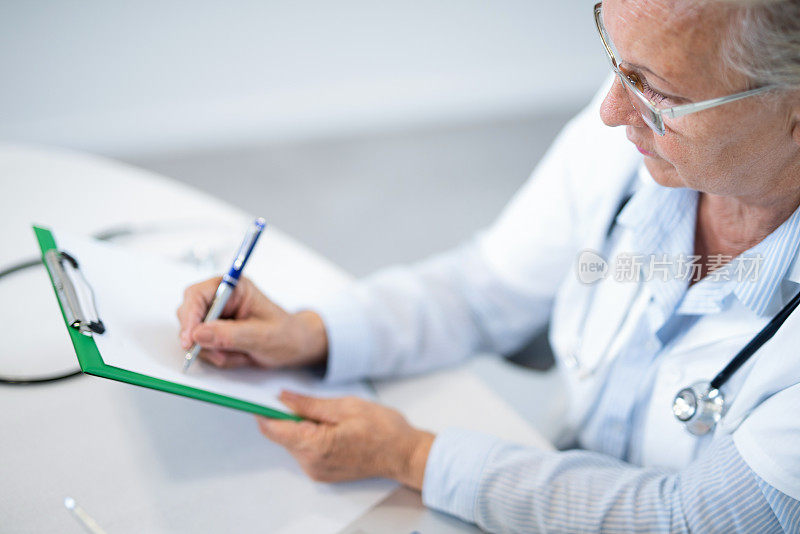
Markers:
229,335
321,410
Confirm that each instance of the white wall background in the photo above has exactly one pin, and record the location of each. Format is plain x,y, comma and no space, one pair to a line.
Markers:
145,77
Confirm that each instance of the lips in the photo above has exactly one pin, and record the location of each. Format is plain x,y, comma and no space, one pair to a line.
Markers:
639,146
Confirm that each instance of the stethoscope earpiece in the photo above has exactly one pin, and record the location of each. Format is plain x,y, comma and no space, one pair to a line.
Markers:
699,407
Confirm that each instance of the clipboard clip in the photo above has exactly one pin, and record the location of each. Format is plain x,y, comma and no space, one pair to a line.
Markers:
77,300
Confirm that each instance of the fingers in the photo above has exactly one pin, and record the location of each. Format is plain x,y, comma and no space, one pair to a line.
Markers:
247,336
289,434
226,360
322,410
353,438
196,300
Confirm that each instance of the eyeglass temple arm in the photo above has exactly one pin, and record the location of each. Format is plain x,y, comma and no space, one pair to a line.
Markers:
680,111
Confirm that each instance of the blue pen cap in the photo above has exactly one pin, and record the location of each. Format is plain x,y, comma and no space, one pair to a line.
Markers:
246,248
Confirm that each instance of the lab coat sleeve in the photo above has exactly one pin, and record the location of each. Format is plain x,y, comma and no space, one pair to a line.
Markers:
491,294
509,488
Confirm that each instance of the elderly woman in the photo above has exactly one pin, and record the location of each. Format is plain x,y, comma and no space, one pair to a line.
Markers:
696,213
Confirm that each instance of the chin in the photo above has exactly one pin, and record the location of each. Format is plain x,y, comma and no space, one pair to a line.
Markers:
663,172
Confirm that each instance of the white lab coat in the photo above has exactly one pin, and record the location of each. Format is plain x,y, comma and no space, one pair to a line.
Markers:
493,294
762,398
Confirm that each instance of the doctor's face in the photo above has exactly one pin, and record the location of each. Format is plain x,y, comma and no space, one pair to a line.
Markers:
744,149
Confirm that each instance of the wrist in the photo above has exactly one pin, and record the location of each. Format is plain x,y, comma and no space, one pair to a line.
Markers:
313,339
414,458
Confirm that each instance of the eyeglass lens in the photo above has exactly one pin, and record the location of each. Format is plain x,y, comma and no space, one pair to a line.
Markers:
640,104
630,81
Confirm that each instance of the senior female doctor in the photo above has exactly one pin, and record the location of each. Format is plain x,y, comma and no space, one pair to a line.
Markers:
700,177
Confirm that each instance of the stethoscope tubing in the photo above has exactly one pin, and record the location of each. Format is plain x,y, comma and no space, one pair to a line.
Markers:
764,335
105,235
721,378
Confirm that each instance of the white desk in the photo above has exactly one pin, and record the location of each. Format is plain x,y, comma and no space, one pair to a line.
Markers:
144,461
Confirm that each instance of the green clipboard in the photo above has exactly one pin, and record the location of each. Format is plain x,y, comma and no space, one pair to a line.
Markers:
91,361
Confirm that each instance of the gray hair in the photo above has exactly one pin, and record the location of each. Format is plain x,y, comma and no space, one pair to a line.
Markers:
764,41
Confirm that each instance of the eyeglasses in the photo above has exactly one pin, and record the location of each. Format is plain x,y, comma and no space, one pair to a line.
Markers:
652,112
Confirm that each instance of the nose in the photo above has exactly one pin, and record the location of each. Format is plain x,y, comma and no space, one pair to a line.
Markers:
617,110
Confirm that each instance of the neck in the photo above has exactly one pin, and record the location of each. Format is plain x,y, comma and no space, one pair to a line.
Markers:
728,226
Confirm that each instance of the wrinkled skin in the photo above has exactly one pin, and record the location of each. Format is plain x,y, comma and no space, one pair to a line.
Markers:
744,158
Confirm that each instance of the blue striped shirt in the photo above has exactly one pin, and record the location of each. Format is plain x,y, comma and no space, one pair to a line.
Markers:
517,489
601,486
492,294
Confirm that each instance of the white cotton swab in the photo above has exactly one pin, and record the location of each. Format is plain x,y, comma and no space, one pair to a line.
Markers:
82,517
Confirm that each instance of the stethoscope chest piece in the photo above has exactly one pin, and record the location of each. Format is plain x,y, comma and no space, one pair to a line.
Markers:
699,407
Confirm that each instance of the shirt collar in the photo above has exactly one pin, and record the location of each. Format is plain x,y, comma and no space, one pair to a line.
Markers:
760,278
663,222
773,257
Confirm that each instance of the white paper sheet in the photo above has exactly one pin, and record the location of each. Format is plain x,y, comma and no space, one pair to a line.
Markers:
136,297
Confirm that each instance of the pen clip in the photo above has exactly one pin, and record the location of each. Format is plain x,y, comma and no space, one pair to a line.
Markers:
64,270
245,249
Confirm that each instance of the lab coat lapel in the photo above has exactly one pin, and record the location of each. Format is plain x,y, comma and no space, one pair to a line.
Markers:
715,329
773,368
610,308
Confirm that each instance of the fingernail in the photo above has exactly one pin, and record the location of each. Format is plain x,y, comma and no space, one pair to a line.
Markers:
291,395
204,335
186,341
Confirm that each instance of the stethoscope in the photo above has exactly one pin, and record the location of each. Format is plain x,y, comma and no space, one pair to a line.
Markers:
23,265
700,406
194,257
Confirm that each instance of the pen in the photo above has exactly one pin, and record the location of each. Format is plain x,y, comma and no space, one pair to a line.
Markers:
229,282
